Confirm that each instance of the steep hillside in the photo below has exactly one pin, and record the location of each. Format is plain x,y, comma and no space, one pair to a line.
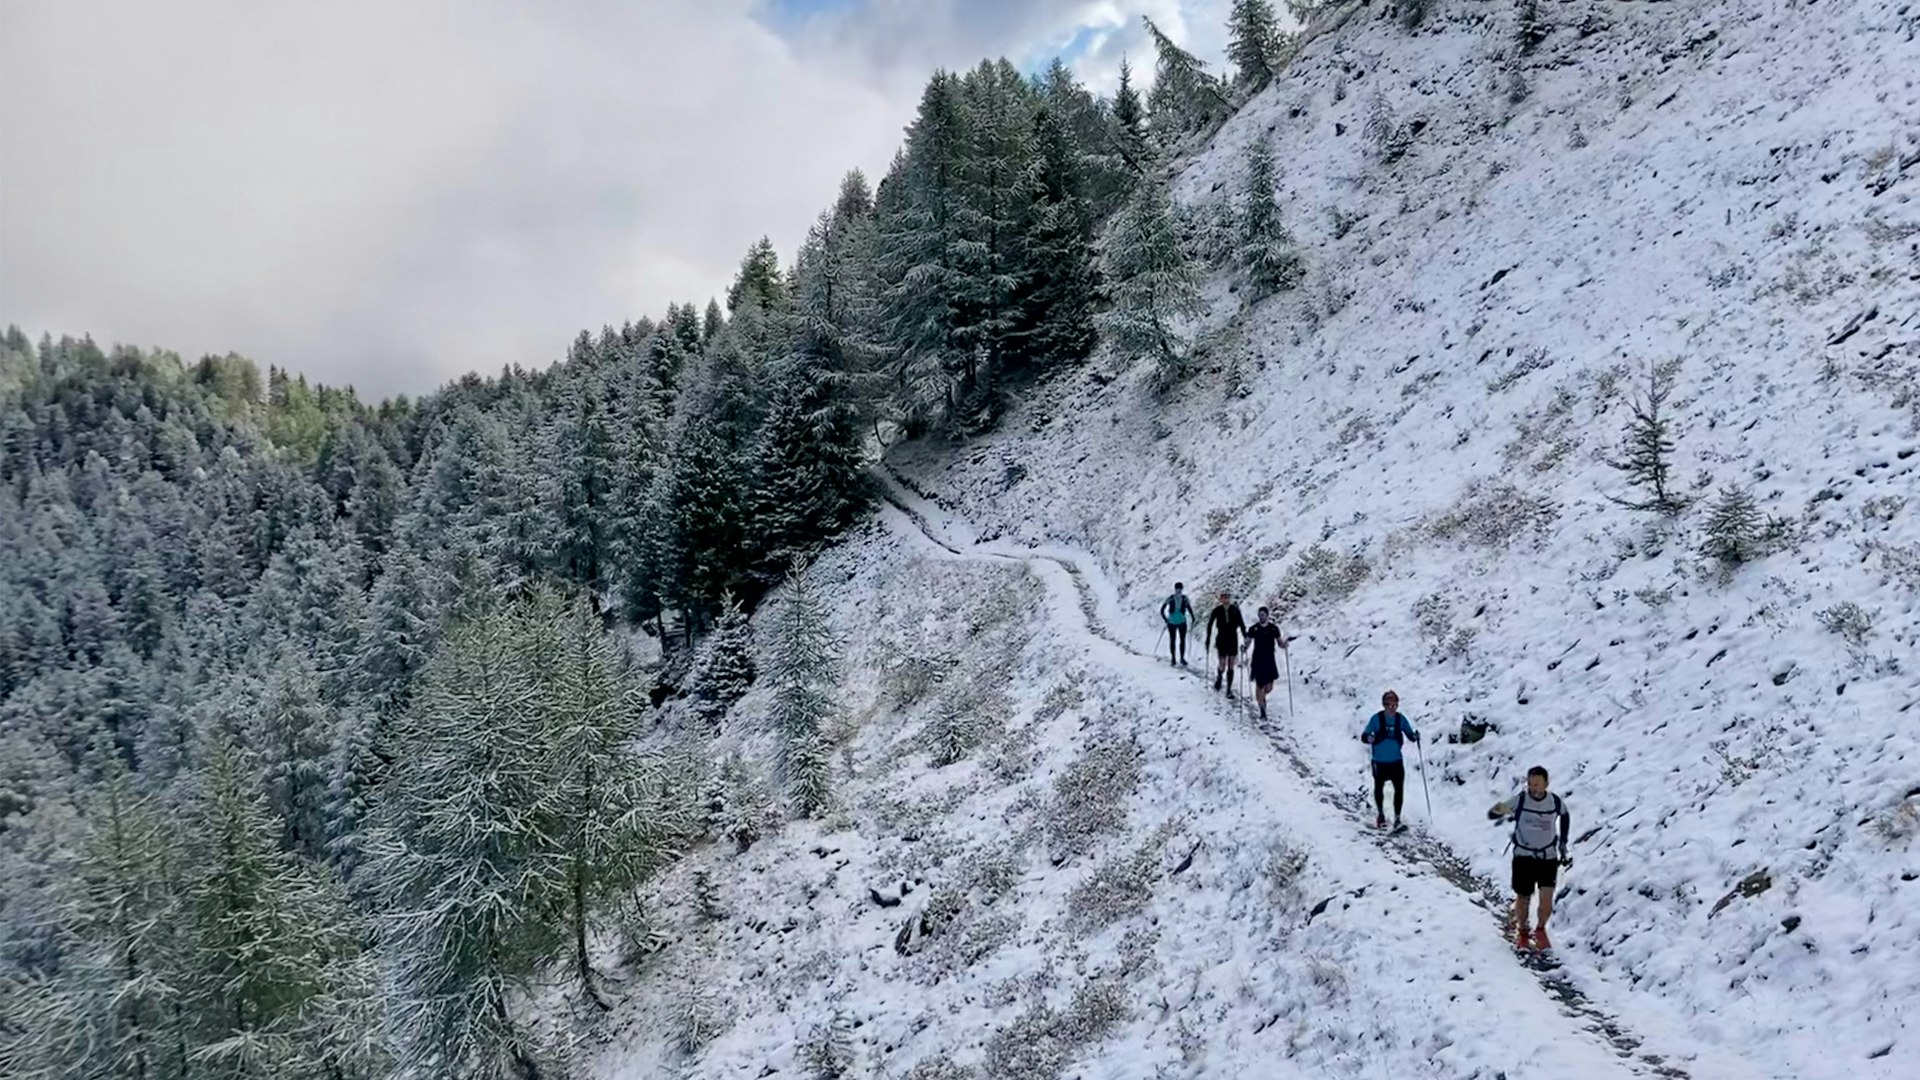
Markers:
1055,856
1409,457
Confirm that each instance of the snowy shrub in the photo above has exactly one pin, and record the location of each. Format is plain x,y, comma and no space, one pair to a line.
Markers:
706,897
1014,756
1328,976
939,1067
1240,578
1736,534
1518,88
1285,870
968,718
828,1052
1535,359
1852,622
1120,887
1493,514
1433,616
697,1017
1899,823
1386,136
1410,12
911,676
1043,1041
1217,521
1900,561
1654,598
746,810
1090,798
1060,697
1882,509
1340,222
1763,751
1320,575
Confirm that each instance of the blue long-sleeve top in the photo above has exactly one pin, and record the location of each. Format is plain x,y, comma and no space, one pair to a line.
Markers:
1379,735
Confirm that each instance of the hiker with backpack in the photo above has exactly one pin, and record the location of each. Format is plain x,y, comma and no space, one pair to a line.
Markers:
1540,824
1177,612
1262,638
1231,624
1385,731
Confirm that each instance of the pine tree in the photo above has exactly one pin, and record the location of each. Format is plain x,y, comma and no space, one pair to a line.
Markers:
743,810
918,221
1184,98
1253,43
812,454
1056,302
609,824
1130,120
268,933
1734,532
1151,281
804,670
1266,250
1530,29
759,281
294,733
727,672
995,161
460,826
1646,453
114,1008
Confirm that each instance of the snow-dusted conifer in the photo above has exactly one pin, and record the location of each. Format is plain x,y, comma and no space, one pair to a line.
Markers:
1152,284
803,667
1266,250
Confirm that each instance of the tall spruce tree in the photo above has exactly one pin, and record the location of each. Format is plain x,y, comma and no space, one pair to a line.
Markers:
115,1007
1059,288
1185,98
1152,283
1265,248
1253,43
920,239
460,827
803,667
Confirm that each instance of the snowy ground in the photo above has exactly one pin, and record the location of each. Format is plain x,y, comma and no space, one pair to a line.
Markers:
1126,880
1417,471
1408,455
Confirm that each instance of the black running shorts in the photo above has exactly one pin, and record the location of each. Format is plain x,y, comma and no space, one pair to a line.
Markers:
1530,873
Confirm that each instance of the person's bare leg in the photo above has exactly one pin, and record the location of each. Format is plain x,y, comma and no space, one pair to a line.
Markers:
1546,906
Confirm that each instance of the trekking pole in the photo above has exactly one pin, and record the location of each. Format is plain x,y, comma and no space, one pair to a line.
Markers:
1423,781
1289,653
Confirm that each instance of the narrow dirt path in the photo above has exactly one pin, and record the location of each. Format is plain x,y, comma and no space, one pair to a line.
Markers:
1417,851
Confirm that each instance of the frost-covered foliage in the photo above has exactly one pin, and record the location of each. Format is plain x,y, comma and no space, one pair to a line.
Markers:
725,671
1494,514
804,667
743,807
1320,576
1849,620
1266,249
1044,1040
1646,451
1089,798
828,1052
1155,289
1121,886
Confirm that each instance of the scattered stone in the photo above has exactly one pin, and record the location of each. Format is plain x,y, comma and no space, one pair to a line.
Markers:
1750,886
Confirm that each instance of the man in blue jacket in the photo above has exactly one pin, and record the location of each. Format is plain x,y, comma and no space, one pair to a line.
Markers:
1385,731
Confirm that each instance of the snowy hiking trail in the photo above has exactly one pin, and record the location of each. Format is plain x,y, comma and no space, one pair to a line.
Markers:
1597,1040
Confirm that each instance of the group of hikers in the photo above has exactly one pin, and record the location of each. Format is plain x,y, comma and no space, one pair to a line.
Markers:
1539,816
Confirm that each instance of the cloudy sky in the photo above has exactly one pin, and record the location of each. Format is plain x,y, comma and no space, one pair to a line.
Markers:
391,192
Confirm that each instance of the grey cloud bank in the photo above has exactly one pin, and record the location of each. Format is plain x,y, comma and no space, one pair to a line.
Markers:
391,194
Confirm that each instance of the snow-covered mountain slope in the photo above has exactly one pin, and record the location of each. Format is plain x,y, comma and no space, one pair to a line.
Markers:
1417,472
1116,874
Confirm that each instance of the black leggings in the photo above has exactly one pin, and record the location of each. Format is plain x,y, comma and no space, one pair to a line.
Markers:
1383,772
1176,641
